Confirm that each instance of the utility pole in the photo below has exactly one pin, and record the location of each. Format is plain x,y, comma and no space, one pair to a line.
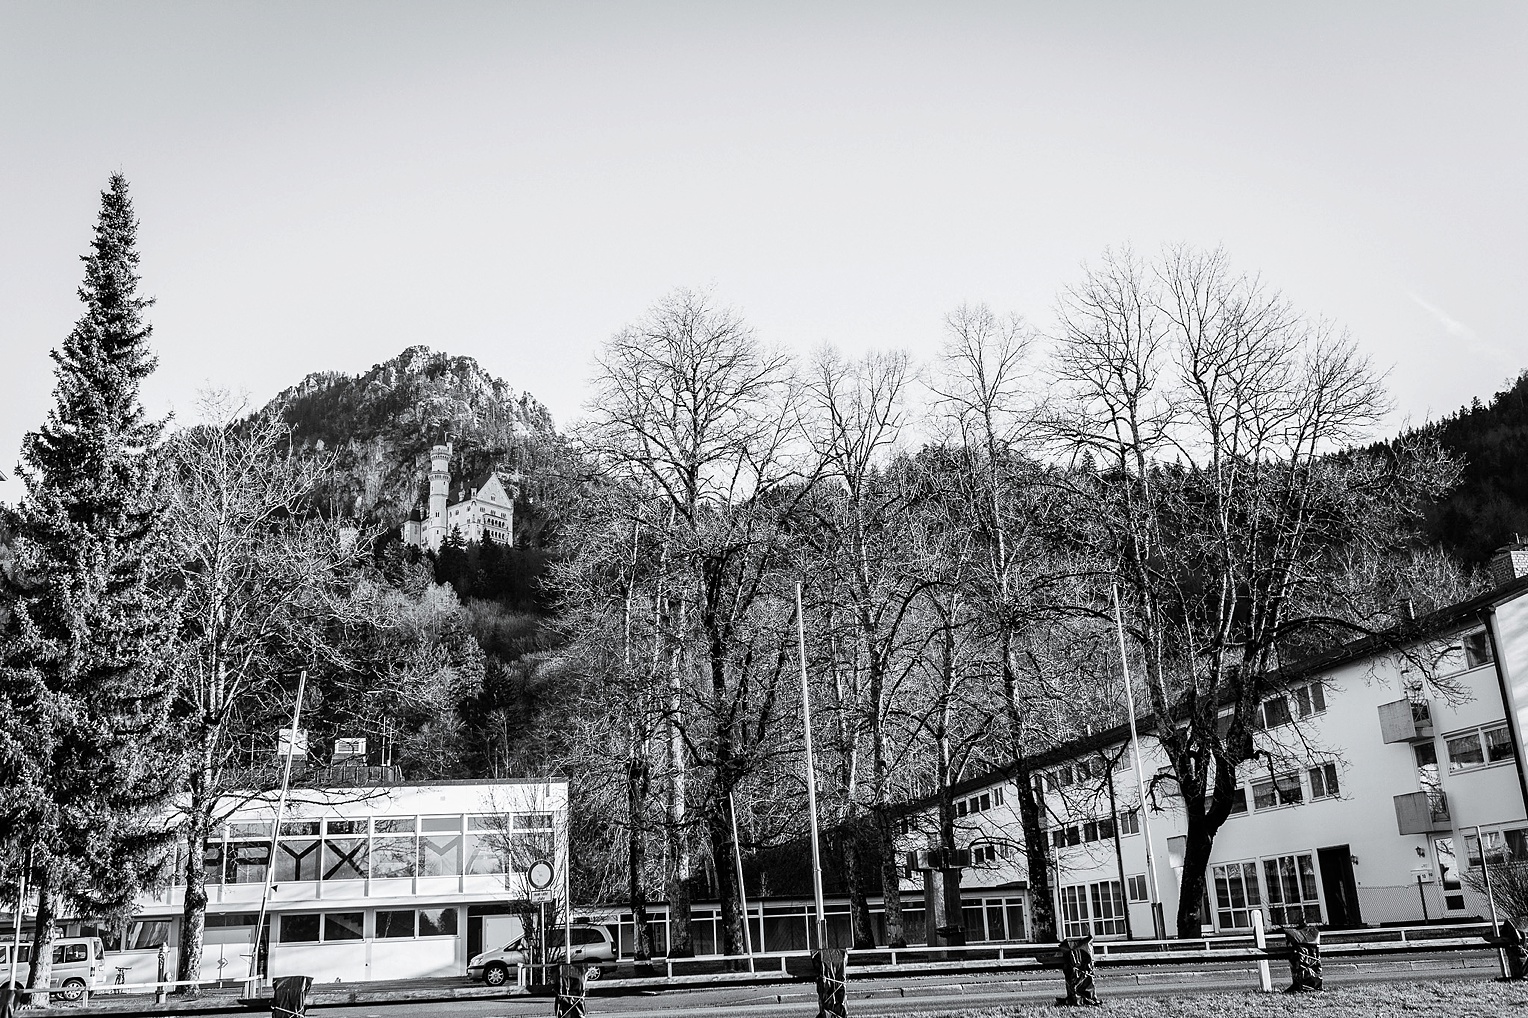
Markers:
270,865
1158,920
811,779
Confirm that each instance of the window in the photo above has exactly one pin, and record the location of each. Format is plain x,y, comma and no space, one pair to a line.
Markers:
63,954
393,856
440,855
997,796
1238,801
395,925
344,926
1061,777
297,859
1464,752
344,858
986,802
1477,649
1309,699
1292,895
1498,744
1236,894
1130,822
1108,908
960,808
1281,790
299,928
1323,781
1074,911
1276,712
437,922
1135,886
1090,830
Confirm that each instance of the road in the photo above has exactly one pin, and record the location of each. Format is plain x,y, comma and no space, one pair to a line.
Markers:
905,994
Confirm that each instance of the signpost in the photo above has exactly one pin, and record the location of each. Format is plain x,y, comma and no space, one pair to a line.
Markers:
539,877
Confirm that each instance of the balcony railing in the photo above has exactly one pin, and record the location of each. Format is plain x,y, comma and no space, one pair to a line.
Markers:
1422,813
1405,721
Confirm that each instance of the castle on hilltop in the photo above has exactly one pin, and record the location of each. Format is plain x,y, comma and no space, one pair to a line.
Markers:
481,508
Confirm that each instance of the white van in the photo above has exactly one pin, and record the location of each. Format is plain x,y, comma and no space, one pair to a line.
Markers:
77,964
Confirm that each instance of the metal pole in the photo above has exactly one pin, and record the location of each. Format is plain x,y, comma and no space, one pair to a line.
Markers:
1158,920
1485,869
742,896
567,881
1423,895
270,866
811,778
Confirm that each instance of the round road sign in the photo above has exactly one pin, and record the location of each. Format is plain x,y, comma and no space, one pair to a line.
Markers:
540,875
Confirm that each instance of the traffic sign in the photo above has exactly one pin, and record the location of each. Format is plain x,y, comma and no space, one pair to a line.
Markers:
540,876
541,894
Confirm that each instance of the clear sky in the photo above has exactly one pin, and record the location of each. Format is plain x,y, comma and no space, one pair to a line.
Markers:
323,184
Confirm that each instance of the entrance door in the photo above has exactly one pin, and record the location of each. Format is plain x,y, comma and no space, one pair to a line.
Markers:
1339,886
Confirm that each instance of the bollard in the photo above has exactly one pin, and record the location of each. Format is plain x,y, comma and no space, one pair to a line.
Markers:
289,996
1514,947
570,992
829,968
1260,941
1304,957
161,991
1077,969
10,1001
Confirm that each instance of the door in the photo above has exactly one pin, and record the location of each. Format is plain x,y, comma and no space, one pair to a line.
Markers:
1339,887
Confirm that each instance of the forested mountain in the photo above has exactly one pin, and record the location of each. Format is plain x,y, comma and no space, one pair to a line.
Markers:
379,426
1489,508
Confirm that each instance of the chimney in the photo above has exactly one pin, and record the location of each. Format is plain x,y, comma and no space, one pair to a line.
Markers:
1509,563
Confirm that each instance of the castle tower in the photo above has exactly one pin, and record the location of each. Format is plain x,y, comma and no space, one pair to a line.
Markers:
440,485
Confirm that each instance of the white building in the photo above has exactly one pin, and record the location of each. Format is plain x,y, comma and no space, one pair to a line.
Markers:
1362,808
392,882
481,507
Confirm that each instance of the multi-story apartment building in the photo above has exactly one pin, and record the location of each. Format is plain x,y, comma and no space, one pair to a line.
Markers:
1386,772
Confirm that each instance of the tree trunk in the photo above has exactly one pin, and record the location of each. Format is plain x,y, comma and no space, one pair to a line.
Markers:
681,939
636,857
891,879
42,938
856,842
719,826
1196,861
1042,902
193,913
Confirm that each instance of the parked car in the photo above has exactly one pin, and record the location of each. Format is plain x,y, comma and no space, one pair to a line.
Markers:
593,949
77,964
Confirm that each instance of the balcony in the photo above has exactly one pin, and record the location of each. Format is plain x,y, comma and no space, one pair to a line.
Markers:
1422,813
1405,721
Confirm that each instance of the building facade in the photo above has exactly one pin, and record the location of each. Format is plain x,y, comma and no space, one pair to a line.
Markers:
393,882
1386,773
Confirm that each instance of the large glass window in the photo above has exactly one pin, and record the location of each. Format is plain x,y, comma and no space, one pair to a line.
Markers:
393,857
1074,911
440,855
1236,894
1108,908
344,858
1323,781
344,926
437,922
300,928
247,861
1477,649
1292,895
1498,744
483,853
395,924
212,862
297,859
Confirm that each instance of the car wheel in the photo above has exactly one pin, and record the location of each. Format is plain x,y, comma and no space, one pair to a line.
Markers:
73,989
592,972
496,974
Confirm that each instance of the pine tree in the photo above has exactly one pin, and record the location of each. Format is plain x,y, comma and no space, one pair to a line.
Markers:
86,643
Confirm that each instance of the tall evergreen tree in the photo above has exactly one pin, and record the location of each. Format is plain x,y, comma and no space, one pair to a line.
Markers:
85,644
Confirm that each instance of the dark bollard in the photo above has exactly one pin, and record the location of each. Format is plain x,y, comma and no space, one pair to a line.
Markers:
161,991
1304,957
10,1001
828,966
1077,968
570,992
289,996
1514,947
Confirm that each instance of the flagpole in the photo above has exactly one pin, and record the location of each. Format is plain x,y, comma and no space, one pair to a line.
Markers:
21,903
1158,921
811,778
270,865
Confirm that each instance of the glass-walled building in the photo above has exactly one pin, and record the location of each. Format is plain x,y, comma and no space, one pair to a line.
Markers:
393,882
